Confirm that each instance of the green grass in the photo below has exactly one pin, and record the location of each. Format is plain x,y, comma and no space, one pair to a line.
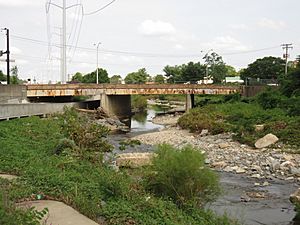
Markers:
27,150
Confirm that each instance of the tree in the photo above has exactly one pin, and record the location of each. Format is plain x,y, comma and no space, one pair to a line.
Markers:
266,68
216,68
14,78
77,77
160,79
290,84
92,77
139,77
231,72
2,76
116,79
173,73
192,72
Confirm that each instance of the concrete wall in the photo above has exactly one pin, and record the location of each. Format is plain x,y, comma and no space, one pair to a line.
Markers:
118,105
12,93
8,111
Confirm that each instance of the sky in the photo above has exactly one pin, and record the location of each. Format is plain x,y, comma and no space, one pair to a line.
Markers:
147,34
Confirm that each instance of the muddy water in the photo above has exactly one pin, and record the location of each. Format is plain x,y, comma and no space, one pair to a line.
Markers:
267,205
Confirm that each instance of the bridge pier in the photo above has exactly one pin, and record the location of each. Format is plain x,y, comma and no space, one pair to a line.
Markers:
189,102
118,105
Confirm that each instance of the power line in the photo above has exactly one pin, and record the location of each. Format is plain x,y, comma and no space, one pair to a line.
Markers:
98,10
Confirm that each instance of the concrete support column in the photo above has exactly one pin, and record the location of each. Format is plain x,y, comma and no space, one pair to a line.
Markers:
190,102
118,105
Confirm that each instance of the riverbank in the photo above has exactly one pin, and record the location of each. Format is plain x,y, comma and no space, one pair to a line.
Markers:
256,183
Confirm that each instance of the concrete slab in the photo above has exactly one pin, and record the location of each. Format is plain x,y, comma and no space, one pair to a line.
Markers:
59,213
8,176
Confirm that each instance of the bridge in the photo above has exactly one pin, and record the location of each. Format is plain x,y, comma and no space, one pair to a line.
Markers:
115,98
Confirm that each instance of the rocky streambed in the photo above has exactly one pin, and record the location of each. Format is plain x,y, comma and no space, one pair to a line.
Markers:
257,183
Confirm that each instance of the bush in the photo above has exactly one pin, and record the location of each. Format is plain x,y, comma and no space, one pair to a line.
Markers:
203,118
269,99
139,102
181,175
86,134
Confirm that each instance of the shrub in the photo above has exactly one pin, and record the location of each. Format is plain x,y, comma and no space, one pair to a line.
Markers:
181,175
87,135
139,102
269,99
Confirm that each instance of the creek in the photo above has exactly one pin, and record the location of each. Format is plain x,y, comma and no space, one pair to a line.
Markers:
269,205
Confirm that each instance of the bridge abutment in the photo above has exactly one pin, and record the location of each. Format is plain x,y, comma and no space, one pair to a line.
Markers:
118,105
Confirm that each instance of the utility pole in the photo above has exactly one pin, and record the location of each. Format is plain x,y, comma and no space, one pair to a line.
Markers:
97,70
286,47
7,55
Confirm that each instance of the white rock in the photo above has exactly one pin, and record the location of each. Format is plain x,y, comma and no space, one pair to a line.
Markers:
266,141
224,145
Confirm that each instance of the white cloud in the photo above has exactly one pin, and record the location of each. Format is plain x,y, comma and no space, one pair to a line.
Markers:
156,28
178,46
226,43
19,3
238,26
270,24
22,62
15,50
131,59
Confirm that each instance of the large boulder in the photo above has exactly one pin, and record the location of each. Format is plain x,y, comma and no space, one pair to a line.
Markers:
134,160
266,141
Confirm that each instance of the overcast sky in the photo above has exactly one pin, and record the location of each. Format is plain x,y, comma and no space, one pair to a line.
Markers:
144,33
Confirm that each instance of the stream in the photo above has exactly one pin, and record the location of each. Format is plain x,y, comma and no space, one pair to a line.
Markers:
268,204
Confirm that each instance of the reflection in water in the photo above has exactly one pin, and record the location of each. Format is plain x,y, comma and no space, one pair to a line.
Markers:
141,121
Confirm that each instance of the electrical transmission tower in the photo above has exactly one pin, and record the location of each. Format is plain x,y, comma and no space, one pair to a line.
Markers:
63,47
286,47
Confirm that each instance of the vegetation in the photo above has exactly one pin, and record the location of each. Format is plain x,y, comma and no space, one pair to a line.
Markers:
139,77
160,79
266,68
116,79
138,102
29,150
181,175
277,109
92,77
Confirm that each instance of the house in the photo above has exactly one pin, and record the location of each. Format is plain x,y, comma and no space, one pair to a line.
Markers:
236,79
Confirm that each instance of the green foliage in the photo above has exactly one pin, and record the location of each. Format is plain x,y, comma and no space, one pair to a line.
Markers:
139,77
10,215
269,99
181,175
160,79
203,118
86,134
266,68
290,85
139,102
92,77
116,79
173,73
2,76
216,67
96,191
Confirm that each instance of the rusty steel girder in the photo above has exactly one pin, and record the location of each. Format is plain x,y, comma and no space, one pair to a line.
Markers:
54,90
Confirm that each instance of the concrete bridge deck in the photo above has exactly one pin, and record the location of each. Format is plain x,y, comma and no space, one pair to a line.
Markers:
126,89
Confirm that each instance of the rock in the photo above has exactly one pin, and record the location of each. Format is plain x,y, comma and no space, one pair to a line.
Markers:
295,171
228,169
266,141
259,127
224,145
295,197
134,160
256,184
240,170
256,176
288,157
8,176
219,165
256,168
275,165
204,132
207,161
266,183
245,198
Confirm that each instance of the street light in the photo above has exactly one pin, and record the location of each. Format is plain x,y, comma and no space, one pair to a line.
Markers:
97,72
